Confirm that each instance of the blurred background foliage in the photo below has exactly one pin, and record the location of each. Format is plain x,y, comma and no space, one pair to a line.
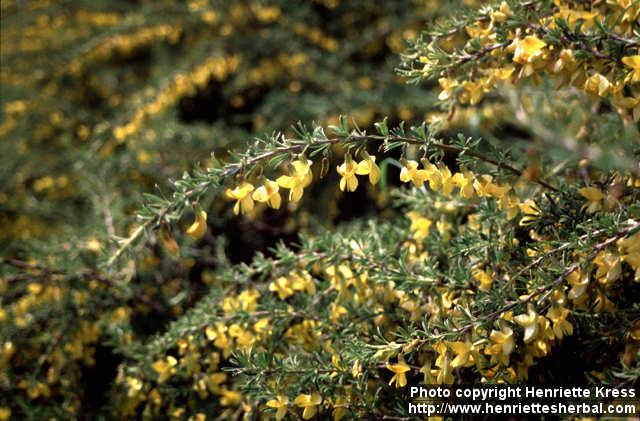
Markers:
102,101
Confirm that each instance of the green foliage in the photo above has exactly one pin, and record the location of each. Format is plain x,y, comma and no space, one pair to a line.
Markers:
225,210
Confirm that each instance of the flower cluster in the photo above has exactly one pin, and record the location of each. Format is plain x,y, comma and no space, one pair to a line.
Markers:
496,239
566,41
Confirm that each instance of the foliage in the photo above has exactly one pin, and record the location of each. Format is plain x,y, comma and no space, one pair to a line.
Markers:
172,251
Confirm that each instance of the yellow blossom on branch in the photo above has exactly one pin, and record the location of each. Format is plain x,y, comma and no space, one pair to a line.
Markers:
527,52
634,63
309,403
484,279
527,49
165,368
268,193
280,405
244,201
502,344
420,225
347,171
369,167
529,323
300,177
340,408
282,287
531,211
399,371
561,327
198,228
464,354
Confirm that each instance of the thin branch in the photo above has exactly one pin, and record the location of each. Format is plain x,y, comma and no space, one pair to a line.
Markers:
541,289
236,167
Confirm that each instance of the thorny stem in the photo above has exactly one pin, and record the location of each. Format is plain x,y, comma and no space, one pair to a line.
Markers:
237,167
541,289
483,18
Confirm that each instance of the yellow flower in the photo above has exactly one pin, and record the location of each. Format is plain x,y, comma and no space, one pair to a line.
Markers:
340,408
165,368
447,85
433,176
561,327
169,243
300,178
337,311
309,403
474,91
446,179
399,370
304,334
528,49
531,211
634,63
484,278
527,52
484,186
428,373
219,337
282,287
566,61
369,166
503,73
268,192
5,414
280,404
244,202
598,84
630,251
579,284
502,344
609,267
347,173
230,397
479,30
262,327
596,199
419,225
214,381
302,281
502,13
230,304
529,322
248,299
154,397
463,354
93,245
509,203
444,374
199,227
356,369
464,181
541,345
573,16
135,385
410,172
602,303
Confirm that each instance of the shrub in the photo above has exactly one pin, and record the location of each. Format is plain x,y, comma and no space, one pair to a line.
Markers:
480,225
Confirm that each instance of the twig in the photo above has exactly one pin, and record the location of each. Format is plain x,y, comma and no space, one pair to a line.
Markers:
236,167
